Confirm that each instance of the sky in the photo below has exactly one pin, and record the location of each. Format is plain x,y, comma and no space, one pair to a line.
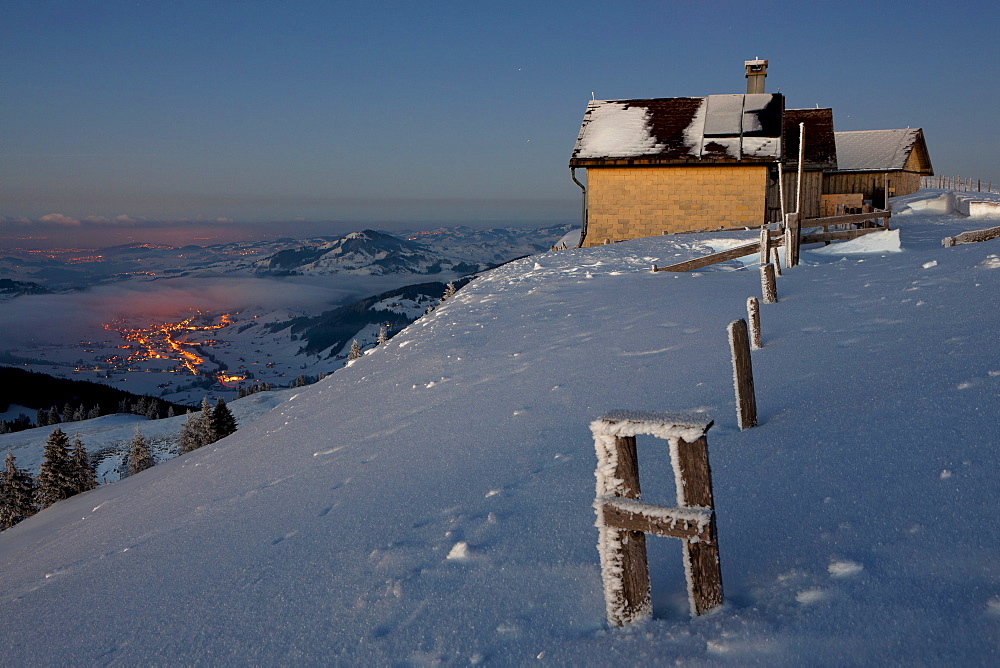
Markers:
333,115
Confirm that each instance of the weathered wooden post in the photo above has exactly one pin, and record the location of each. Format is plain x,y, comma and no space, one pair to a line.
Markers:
776,259
753,317
792,227
746,402
768,289
765,245
624,520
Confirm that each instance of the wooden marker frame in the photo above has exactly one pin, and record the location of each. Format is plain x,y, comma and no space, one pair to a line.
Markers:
624,520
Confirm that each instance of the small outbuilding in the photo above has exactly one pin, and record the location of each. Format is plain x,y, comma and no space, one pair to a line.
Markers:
870,160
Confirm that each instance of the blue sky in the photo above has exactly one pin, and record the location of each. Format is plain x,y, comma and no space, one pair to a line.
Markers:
405,113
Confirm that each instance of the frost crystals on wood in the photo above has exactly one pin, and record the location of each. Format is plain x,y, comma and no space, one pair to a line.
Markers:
746,401
624,520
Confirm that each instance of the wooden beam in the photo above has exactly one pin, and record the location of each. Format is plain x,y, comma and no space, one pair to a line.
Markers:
845,220
685,523
714,258
972,237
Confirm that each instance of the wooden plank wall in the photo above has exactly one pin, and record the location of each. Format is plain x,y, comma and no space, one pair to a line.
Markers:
812,189
870,184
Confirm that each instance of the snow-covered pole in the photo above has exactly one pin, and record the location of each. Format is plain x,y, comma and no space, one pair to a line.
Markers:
753,317
746,402
765,245
801,166
768,289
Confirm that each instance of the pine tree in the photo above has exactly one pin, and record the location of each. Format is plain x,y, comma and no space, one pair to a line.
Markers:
188,440
355,351
139,456
383,335
205,428
41,418
449,290
94,412
54,416
67,413
80,413
223,422
153,410
171,412
86,476
17,494
55,480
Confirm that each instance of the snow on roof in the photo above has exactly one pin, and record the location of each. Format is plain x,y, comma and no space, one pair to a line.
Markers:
616,129
681,129
874,150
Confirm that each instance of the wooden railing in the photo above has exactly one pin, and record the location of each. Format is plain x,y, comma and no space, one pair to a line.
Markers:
775,241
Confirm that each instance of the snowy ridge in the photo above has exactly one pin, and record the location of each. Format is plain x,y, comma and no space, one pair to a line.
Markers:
322,531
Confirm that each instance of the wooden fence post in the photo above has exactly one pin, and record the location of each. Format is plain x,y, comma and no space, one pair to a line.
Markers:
768,289
753,317
765,245
792,229
624,520
776,260
746,402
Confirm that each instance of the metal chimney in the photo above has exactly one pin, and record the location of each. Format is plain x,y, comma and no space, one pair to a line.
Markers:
756,73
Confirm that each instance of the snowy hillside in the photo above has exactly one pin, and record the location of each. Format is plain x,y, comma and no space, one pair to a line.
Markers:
432,501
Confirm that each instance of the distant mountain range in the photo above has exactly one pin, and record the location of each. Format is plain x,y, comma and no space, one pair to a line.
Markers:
461,250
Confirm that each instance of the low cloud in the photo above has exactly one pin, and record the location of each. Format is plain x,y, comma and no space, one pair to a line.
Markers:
62,319
58,219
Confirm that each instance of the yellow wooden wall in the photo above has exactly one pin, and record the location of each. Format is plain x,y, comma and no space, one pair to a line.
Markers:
631,202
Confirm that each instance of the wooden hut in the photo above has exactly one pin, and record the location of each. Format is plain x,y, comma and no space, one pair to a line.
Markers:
867,160
675,164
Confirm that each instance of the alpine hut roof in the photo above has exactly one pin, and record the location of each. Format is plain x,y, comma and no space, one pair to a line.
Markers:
681,130
880,150
821,147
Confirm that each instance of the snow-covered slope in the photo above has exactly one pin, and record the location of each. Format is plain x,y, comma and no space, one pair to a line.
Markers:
432,501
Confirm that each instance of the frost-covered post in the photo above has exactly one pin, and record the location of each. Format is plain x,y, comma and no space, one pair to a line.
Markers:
792,225
624,520
765,245
768,289
753,317
746,402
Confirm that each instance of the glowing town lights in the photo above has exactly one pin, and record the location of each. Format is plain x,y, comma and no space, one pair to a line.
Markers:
160,342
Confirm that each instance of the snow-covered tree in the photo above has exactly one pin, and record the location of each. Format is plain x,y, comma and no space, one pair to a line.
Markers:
80,413
188,439
355,351
383,335
67,413
17,494
153,410
449,290
94,412
139,456
223,422
41,418
55,480
54,416
83,470
204,427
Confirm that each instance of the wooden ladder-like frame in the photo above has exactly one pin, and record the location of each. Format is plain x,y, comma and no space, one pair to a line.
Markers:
624,520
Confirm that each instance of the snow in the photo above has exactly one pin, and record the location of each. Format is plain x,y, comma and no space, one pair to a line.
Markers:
616,129
256,549
869,244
